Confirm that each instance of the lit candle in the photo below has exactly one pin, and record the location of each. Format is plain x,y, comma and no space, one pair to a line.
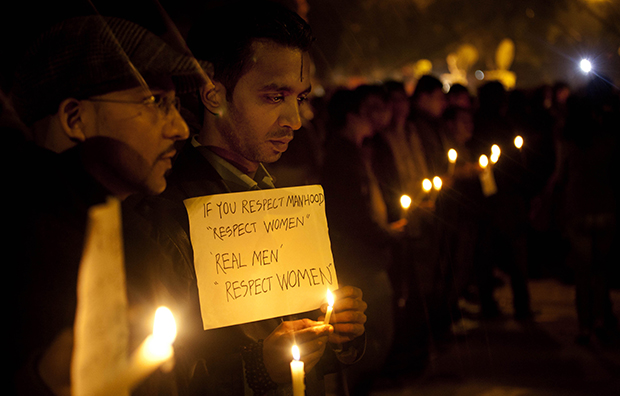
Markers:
495,152
483,161
486,177
452,155
330,306
427,185
518,142
156,350
405,201
297,373
437,183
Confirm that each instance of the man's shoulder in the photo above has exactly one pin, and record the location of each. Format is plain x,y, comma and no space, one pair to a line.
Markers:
192,176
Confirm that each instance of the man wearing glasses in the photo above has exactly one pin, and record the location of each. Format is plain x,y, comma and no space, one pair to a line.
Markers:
99,98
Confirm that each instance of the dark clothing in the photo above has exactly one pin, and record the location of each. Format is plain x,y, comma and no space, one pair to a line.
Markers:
48,221
220,349
361,246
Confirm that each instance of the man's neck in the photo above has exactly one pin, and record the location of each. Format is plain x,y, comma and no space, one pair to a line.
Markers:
210,140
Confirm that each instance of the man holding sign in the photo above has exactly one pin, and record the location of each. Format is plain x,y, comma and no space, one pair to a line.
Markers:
262,78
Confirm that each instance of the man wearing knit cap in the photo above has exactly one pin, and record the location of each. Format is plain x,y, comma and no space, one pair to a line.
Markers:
99,97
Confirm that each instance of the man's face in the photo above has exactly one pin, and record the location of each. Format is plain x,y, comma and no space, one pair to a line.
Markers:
146,132
264,110
434,103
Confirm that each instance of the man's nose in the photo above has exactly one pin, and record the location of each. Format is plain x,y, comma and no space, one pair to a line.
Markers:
291,116
178,127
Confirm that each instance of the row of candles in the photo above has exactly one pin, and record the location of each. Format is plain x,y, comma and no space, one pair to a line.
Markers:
437,183
99,366
156,350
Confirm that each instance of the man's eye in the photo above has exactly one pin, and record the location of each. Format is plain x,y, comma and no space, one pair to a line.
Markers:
302,99
152,100
275,99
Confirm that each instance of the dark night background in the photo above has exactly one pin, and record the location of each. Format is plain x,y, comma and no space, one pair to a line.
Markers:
377,39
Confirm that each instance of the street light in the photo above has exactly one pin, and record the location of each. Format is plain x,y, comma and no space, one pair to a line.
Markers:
585,65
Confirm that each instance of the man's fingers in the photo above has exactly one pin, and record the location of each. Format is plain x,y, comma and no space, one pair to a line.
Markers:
348,292
350,304
355,317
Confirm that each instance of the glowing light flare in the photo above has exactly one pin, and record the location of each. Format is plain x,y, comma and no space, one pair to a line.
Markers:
452,155
495,153
518,142
295,352
405,201
159,345
585,65
427,185
495,149
330,306
483,161
437,183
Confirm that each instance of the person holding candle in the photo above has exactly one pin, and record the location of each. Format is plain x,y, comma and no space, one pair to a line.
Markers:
98,96
261,70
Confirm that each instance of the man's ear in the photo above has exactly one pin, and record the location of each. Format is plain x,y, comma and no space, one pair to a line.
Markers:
213,98
71,114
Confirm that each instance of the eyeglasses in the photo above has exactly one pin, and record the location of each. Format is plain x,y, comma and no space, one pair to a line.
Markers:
163,103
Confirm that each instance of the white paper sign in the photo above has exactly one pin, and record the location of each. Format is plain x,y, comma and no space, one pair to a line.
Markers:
260,254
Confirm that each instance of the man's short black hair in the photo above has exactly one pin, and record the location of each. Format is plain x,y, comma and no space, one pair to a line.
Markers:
225,34
426,84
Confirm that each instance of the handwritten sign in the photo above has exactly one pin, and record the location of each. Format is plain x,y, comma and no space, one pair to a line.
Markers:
260,254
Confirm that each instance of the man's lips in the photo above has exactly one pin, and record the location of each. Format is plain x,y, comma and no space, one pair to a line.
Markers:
280,144
168,154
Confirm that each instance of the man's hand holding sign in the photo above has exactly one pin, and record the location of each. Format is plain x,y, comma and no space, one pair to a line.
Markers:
265,254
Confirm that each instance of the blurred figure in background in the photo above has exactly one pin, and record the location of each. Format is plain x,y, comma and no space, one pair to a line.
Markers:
360,232
585,189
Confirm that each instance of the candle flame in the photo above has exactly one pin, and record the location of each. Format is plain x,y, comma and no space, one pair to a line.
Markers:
437,183
483,161
295,351
518,142
330,298
158,346
405,201
427,185
494,157
452,155
164,326
495,149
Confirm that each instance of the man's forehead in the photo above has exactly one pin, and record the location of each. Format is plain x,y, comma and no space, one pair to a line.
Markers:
278,65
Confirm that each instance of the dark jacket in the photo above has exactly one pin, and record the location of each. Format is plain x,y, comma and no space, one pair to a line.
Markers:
220,350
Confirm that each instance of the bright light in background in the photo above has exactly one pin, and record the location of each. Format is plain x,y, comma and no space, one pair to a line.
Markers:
405,201
483,161
479,74
518,142
427,185
585,65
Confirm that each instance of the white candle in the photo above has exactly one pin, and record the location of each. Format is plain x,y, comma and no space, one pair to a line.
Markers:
452,155
297,373
330,306
155,351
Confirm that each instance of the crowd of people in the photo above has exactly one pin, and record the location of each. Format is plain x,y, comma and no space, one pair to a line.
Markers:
549,209
94,112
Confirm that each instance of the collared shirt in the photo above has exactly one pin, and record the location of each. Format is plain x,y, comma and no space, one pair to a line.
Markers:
235,179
